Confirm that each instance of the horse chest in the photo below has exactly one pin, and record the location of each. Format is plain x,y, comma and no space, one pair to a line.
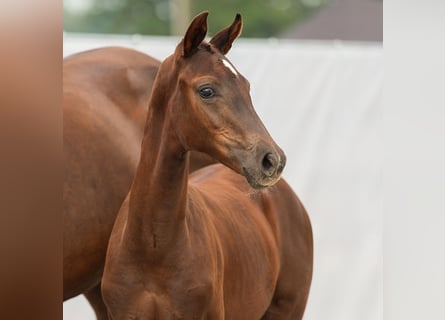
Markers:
169,298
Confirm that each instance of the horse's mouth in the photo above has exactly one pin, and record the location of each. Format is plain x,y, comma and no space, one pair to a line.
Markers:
259,182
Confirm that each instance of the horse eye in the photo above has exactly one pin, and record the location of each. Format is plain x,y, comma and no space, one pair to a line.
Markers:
206,92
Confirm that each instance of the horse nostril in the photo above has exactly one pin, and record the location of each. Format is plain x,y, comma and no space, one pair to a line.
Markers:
269,163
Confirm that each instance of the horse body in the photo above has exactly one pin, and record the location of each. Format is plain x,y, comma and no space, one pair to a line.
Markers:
207,246
257,243
235,243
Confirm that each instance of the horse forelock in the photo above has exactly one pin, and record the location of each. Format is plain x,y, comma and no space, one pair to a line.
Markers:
207,46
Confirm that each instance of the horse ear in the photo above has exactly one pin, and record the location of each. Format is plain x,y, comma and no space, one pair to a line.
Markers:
223,40
196,32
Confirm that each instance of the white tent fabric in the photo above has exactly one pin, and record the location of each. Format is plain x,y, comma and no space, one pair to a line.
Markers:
321,101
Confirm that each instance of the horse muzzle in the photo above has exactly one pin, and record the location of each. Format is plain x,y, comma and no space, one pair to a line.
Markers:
267,169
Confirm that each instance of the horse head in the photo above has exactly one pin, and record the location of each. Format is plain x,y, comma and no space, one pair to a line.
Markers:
211,106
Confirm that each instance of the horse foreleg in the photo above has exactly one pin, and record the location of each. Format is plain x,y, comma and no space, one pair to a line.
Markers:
94,297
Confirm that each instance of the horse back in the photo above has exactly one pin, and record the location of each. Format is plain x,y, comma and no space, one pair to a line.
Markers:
123,76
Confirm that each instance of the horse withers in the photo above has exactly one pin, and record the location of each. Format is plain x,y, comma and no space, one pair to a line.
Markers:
230,241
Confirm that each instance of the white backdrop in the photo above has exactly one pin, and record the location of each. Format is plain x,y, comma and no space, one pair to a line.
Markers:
321,101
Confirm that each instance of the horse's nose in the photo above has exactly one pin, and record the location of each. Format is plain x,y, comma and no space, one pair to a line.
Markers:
270,164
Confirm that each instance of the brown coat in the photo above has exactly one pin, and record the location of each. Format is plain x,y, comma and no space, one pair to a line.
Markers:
106,93
221,243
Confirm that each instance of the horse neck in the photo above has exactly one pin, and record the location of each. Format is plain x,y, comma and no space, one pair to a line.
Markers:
158,196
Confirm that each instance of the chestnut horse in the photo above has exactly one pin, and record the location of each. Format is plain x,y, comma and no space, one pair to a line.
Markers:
208,246
106,93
